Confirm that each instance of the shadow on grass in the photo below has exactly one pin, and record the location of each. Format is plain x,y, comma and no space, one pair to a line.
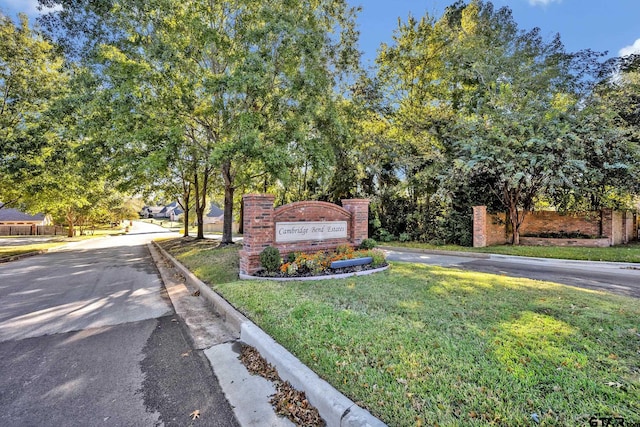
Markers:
421,344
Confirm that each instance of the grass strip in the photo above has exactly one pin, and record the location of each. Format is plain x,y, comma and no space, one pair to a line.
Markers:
621,253
10,251
422,345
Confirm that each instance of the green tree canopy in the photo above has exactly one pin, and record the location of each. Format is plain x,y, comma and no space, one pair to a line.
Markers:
234,83
31,79
490,103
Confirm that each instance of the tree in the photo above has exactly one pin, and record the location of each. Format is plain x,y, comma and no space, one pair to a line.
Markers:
31,79
243,79
489,103
608,134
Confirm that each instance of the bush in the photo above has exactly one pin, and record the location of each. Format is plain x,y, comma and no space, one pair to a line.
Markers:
404,237
378,256
291,257
368,244
385,236
344,249
270,259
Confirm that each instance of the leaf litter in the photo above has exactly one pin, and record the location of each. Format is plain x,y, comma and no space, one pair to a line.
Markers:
287,401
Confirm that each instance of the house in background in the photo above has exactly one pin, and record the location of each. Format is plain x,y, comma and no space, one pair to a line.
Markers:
150,211
171,212
214,218
214,215
10,216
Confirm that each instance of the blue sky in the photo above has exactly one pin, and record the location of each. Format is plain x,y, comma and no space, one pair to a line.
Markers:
601,25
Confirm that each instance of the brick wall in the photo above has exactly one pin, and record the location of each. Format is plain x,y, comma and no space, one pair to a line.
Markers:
618,227
497,233
554,222
260,219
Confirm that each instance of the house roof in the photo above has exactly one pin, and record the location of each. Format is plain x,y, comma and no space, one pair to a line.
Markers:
10,214
153,209
214,211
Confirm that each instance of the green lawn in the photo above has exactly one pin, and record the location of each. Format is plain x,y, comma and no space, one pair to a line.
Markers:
420,345
8,251
16,247
622,253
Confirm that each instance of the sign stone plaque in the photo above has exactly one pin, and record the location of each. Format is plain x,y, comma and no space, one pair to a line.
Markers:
310,230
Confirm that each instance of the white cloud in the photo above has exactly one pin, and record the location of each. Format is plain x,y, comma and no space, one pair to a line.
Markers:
629,50
543,2
30,7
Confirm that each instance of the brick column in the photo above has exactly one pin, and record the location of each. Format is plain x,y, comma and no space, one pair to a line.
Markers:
625,228
359,209
606,224
479,226
258,230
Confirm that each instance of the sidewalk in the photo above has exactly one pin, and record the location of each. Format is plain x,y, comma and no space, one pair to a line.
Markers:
248,394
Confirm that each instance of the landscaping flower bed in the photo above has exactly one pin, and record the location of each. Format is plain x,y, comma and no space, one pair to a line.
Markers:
299,264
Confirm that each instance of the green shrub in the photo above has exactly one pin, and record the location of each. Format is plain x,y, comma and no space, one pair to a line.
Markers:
343,249
378,256
291,257
404,237
385,236
270,259
368,244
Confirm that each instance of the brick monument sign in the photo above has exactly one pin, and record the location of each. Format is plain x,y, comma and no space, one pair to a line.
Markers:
299,227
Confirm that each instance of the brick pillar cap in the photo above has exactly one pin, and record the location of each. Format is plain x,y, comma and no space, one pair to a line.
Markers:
354,201
259,196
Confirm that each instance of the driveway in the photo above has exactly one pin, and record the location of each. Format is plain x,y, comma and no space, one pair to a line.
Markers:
89,337
618,278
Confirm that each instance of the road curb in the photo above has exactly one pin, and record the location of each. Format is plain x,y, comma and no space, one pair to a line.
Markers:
436,252
336,409
21,256
226,311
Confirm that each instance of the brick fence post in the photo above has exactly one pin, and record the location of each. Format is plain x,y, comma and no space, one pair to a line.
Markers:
359,209
479,226
606,224
258,230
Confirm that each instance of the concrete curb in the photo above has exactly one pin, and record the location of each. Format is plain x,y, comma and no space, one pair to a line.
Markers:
226,311
436,252
21,256
336,409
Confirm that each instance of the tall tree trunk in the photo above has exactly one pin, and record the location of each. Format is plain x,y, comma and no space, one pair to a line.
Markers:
186,199
227,225
241,222
185,217
516,218
201,199
70,222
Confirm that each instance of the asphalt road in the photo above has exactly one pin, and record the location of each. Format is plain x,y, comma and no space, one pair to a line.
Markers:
88,337
618,278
